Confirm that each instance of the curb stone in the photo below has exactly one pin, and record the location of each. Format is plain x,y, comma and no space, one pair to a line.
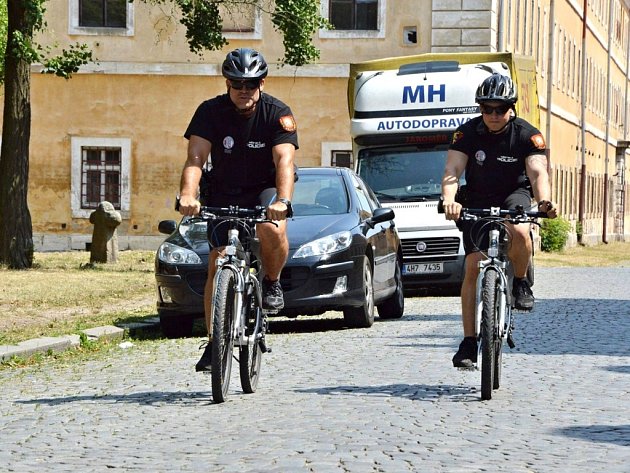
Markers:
28,348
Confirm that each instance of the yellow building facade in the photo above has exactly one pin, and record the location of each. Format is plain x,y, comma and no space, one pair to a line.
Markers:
120,120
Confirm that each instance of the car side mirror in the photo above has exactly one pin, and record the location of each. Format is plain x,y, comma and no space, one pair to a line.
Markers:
381,215
167,226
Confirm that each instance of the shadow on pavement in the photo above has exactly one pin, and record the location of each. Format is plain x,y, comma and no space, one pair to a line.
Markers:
413,392
615,434
143,398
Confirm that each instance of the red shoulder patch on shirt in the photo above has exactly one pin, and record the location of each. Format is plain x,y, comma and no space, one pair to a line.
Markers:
458,135
539,141
288,123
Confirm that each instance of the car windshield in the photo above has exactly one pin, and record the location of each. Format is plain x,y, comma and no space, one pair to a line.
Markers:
193,231
404,173
320,194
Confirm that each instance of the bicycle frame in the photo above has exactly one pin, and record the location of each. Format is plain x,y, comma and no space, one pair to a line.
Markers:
244,279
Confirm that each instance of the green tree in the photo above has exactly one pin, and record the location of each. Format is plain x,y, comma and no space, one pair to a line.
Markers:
296,20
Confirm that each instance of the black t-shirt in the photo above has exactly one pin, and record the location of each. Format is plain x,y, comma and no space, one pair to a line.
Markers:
241,154
496,162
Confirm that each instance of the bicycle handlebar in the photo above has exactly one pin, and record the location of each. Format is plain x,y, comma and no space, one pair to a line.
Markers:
519,214
234,211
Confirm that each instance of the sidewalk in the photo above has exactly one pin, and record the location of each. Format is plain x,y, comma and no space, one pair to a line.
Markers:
58,344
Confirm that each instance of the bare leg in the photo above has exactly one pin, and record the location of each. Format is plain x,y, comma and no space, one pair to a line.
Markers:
520,249
274,248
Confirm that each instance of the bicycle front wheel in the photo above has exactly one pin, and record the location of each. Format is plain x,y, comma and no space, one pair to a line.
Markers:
222,334
250,355
489,332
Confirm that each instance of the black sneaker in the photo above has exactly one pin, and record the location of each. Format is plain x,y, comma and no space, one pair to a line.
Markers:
205,362
523,296
466,356
273,298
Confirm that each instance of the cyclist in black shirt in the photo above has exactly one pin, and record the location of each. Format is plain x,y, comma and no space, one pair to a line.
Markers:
505,164
250,138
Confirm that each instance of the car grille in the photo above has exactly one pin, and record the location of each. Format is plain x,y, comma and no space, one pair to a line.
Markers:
448,247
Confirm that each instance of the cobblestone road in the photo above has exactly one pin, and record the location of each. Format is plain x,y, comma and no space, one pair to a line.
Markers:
384,399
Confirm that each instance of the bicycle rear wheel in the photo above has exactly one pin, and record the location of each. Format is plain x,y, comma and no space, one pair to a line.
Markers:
222,334
250,355
489,333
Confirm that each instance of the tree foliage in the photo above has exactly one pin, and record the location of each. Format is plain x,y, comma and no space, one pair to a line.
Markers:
296,20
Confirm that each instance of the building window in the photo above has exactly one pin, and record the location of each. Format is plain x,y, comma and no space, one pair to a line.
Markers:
337,153
354,14
341,159
241,21
100,171
100,176
354,18
100,17
103,13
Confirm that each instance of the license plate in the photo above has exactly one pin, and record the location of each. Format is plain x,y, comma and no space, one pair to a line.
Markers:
423,268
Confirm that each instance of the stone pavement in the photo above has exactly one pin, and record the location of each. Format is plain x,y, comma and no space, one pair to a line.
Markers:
384,399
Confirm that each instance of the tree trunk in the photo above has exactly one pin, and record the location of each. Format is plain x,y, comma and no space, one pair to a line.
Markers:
16,230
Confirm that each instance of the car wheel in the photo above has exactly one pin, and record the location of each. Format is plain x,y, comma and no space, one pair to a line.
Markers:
363,316
394,307
176,326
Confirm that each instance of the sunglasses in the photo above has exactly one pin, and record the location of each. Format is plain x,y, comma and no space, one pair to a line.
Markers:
247,84
499,109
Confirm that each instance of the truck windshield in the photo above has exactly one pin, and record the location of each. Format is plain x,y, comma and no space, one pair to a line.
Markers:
404,173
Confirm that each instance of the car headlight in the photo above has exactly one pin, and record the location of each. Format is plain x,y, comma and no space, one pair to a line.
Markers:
173,254
325,246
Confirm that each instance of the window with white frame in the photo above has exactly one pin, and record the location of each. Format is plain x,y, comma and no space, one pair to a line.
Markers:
100,172
241,21
100,17
354,18
337,153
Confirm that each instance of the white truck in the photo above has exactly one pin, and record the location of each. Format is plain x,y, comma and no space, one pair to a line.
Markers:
403,114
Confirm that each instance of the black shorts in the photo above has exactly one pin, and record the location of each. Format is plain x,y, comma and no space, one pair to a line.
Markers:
476,237
217,230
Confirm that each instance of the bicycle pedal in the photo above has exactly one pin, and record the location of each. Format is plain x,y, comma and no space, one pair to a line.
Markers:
467,368
263,347
510,341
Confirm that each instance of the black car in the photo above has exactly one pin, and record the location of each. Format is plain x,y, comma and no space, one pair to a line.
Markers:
344,254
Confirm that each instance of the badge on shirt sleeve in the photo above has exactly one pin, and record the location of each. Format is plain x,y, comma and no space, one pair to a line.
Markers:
288,123
539,141
458,135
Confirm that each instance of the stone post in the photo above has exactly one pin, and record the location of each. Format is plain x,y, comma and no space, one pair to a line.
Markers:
104,247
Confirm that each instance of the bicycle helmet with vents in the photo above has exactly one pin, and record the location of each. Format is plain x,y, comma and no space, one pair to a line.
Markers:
244,64
497,87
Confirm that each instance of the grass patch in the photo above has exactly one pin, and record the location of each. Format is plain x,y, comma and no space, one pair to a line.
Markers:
63,293
615,254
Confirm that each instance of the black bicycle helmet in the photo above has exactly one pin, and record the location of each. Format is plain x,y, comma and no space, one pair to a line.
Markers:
244,64
497,87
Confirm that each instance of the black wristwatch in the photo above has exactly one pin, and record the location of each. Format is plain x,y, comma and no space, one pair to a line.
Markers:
287,202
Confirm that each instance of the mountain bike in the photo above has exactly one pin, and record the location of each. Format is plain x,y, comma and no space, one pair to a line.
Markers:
494,320
238,318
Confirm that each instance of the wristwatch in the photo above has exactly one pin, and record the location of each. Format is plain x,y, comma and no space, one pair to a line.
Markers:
287,202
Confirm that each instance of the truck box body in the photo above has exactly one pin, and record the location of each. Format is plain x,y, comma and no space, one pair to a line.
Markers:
403,114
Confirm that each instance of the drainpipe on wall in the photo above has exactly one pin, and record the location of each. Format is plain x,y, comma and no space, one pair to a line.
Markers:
500,28
582,196
608,98
550,71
